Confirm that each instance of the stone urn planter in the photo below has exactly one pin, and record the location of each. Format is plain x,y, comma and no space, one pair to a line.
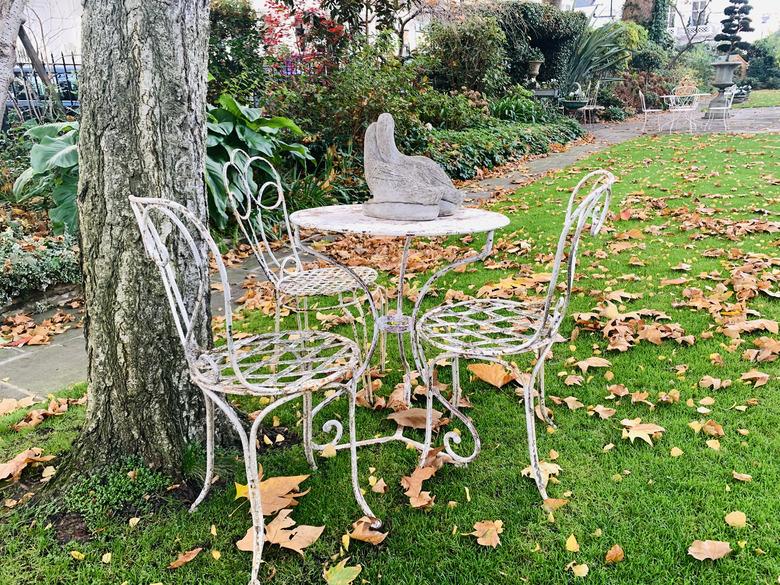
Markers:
534,67
724,78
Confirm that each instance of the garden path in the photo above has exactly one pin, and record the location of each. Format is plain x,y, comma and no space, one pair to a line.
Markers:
43,369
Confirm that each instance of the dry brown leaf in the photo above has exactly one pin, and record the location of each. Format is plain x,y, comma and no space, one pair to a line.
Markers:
593,362
712,429
745,477
548,470
412,485
573,403
414,418
604,412
635,429
614,555
736,519
362,530
487,532
9,405
492,373
553,504
755,377
571,544
709,549
185,558
276,493
380,487
296,539
714,383
13,469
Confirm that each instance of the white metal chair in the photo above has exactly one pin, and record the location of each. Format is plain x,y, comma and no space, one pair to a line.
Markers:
591,110
724,111
294,284
495,329
283,365
648,111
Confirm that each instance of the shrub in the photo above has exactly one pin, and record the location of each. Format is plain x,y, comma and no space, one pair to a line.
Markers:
453,111
463,153
337,109
53,171
650,57
15,148
518,106
465,53
35,263
236,61
231,126
764,69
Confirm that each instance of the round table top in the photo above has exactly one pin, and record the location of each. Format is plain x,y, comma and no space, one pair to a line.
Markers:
347,219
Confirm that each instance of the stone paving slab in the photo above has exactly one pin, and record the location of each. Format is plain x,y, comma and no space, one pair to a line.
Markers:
44,369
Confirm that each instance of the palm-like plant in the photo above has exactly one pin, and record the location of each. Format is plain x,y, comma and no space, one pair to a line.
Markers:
597,51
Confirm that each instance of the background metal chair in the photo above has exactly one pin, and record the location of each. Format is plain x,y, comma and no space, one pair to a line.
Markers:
591,110
294,284
724,110
283,365
648,111
495,329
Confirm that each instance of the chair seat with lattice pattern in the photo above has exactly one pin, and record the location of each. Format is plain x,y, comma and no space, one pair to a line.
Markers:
277,364
495,330
324,281
483,327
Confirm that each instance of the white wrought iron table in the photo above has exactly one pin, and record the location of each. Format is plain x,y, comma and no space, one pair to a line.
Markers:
685,107
350,219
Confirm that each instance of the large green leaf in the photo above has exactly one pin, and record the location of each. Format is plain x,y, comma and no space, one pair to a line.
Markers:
51,130
65,214
280,122
256,141
228,102
21,183
59,152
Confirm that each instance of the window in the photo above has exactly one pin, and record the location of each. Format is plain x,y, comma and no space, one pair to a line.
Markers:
699,14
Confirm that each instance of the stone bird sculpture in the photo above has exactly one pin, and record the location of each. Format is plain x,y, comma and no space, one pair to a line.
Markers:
411,188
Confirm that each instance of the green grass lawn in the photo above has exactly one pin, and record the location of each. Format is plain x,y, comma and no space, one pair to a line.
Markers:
656,509
761,98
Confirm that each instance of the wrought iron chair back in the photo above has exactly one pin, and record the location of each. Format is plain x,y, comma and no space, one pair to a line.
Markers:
594,206
250,201
165,226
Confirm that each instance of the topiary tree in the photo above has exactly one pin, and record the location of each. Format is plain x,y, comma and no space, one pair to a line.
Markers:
736,21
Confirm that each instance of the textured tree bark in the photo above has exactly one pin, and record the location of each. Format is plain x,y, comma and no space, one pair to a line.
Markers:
143,108
11,15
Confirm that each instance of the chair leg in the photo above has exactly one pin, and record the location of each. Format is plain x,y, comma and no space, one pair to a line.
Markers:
644,125
530,423
541,355
209,453
383,333
352,390
256,510
428,412
456,390
307,430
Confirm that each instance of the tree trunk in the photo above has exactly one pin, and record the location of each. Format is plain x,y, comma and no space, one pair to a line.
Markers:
143,108
11,15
